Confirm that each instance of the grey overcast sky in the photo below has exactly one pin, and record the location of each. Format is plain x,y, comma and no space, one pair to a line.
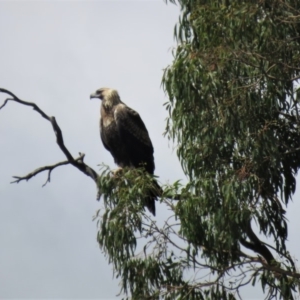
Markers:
55,53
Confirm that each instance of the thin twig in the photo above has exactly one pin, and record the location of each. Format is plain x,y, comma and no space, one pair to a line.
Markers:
42,169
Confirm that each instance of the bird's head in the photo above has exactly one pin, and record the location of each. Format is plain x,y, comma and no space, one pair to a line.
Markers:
109,96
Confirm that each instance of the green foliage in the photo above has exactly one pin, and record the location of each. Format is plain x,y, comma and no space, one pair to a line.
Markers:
158,268
122,223
234,113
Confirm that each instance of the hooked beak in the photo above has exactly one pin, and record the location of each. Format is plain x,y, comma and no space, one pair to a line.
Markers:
94,95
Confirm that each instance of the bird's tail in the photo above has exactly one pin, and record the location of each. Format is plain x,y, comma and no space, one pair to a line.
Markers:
154,193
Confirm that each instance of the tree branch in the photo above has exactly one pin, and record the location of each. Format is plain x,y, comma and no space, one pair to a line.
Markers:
77,163
256,245
45,168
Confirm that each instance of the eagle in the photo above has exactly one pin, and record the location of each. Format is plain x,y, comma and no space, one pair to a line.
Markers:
125,136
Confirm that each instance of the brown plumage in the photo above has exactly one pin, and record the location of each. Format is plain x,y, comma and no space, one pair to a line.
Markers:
125,136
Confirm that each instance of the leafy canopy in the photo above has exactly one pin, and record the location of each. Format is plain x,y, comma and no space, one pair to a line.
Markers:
234,113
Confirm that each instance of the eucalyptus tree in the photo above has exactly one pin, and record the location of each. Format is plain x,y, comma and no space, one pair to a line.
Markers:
234,113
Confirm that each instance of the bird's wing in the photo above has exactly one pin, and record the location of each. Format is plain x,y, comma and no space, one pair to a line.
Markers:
130,123
135,135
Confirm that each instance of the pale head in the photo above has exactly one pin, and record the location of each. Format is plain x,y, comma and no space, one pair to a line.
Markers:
108,96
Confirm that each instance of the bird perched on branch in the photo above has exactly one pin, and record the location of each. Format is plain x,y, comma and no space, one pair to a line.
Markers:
125,136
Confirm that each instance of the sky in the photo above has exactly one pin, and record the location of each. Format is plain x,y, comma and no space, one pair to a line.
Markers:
56,53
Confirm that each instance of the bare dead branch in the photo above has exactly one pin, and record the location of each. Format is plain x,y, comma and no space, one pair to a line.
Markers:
77,163
42,169
16,99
